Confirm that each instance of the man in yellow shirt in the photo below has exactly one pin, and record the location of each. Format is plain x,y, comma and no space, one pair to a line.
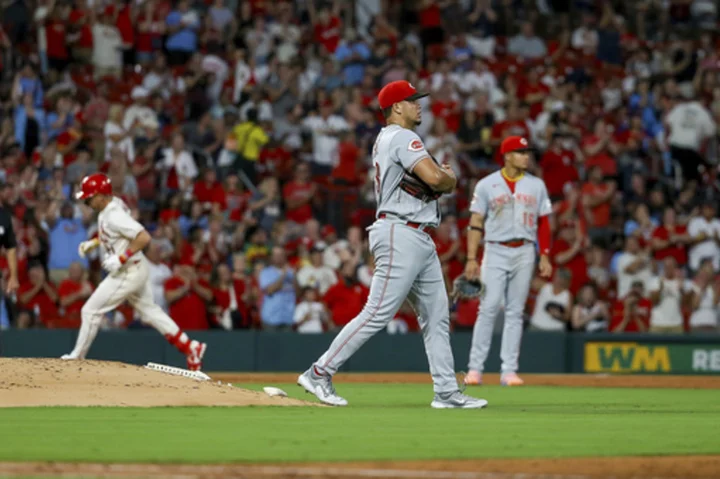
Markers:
247,140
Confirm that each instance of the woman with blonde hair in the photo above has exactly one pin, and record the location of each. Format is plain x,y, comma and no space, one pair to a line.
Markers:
116,136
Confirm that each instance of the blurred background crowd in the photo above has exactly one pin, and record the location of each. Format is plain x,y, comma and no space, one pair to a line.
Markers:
239,133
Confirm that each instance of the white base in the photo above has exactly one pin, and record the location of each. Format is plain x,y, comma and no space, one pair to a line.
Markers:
196,375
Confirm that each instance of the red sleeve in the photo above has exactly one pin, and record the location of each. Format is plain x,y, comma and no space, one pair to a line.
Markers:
172,284
544,235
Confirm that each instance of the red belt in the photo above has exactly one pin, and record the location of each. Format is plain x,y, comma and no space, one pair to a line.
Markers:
411,224
512,243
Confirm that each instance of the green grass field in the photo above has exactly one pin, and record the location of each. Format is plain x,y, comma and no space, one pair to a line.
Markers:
383,422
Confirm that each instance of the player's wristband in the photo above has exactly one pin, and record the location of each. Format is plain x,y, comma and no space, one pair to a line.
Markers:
476,228
126,256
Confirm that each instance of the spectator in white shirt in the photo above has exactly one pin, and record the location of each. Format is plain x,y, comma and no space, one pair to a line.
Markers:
479,79
311,315
704,231
585,37
159,273
668,293
325,128
139,115
689,125
553,304
160,80
633,264
705,299
179,165
316,275
589,314
107,47
116,136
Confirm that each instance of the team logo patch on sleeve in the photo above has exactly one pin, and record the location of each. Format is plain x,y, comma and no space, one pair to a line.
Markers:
416,145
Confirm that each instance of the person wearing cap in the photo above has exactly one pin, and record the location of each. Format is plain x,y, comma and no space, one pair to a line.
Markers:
408,183
510,212
317,274
122,240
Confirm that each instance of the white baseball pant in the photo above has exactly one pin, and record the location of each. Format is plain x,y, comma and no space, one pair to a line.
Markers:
130,283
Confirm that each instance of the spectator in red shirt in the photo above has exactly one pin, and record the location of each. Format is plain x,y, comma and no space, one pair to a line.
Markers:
56,35
37,295
448,249
73,292
597,196
558,167
600,148
210,192
513,125
299,194
150,24
631,314
346,298
568,252
533,93
229,304
326,24
187,297
671,239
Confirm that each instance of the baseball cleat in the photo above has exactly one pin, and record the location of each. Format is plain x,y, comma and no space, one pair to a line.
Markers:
68,357
457,400
322,387
194,359
473,378
511,379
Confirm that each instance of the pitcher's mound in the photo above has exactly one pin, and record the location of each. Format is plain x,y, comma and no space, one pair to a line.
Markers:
54,382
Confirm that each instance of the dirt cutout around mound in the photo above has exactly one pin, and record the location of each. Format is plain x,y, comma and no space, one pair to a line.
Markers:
665,467
54,382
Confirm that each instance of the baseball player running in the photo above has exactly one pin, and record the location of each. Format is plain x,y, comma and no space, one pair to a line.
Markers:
408,183
511,208
123,240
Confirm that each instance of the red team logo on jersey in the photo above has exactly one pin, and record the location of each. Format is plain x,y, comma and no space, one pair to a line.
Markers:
416,145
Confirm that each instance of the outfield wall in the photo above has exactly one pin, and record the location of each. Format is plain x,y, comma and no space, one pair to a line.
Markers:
266,351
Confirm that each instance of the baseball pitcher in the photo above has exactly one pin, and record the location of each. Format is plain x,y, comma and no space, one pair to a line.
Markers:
511,209
408,183
123,239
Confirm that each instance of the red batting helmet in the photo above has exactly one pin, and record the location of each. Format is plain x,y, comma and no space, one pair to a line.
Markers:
95,184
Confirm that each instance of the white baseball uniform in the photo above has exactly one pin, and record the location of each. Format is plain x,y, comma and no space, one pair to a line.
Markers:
508,264
116,229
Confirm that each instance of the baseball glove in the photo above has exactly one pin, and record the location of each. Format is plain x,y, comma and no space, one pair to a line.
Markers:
464,288
416,187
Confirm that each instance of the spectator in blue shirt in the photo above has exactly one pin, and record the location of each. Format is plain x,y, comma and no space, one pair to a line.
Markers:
66,234
353,54
277,283
28,83
181,42
29,125
61,119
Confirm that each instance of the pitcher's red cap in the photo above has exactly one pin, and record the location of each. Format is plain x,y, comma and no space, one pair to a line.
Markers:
397,91
514,143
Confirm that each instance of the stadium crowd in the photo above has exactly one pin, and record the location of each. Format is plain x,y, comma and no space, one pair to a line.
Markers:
240,133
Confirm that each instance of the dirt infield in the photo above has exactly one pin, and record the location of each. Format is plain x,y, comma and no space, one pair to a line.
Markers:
54,382
577,380
691,467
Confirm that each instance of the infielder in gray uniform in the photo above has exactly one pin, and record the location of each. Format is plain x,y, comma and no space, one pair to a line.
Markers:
512,209
407,184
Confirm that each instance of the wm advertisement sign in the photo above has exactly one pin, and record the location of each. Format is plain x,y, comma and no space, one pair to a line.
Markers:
626,357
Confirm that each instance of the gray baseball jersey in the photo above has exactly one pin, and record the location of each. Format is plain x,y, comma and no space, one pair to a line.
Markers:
406,265
506,271
396,151
510,216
